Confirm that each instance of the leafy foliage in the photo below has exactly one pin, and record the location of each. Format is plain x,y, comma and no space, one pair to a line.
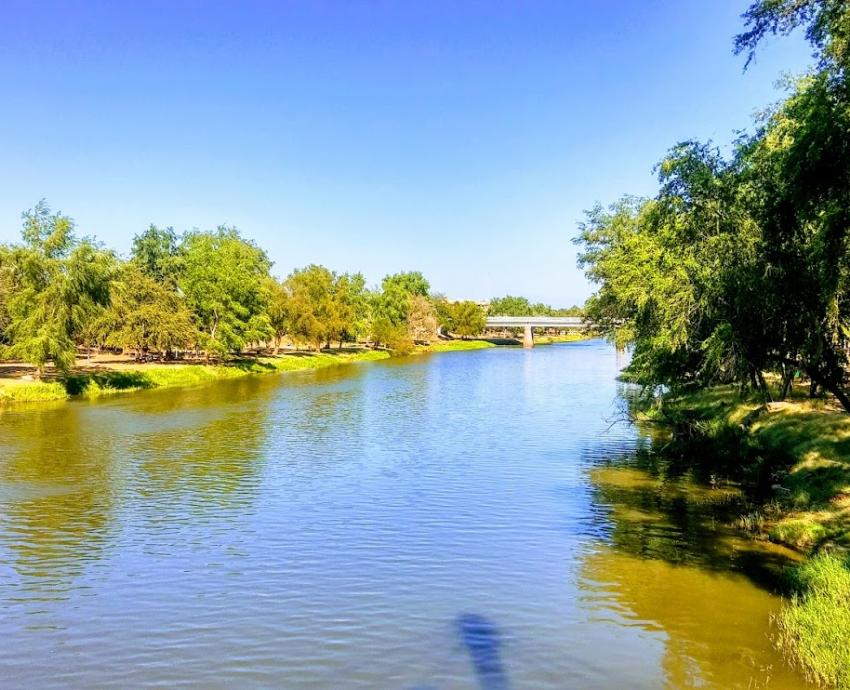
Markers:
145,314
511,305
156,252
222,277
58,284
422,319
317,309
466,319
739,266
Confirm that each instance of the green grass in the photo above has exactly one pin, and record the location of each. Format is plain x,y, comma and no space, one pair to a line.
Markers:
145,376
32,392
814,629
799,450
455,346
567,338
319,360
801,532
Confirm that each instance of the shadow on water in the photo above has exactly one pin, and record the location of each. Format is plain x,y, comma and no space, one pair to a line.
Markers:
482,640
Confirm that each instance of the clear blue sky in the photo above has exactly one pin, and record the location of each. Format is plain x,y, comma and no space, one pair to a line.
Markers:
462,139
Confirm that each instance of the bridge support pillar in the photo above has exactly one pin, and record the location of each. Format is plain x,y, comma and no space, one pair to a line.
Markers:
528,336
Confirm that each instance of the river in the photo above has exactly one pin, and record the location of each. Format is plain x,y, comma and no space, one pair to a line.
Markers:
456,521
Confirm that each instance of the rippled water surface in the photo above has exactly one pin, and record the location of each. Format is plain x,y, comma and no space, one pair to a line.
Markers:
465,520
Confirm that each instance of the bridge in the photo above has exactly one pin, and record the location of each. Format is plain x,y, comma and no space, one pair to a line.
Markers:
529,323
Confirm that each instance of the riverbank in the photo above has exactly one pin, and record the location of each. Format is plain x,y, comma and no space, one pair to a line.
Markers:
567,338
107,375
793,458
454,346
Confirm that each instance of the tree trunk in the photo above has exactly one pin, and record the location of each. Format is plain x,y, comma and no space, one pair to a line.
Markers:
787,381
763,387
813,388
831,386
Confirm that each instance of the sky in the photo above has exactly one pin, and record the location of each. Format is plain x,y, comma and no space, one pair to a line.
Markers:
462,139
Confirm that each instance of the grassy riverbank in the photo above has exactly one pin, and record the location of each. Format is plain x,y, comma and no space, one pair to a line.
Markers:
93,379
99,378
455,346
567,338
796,454
813,631
795,459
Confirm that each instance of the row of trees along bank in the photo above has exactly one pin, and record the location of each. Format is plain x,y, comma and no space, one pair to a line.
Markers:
739,266
209,294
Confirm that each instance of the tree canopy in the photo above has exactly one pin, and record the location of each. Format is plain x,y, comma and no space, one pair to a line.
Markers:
145,314
467,319
222,277
318,309
55,282
739,266
511,305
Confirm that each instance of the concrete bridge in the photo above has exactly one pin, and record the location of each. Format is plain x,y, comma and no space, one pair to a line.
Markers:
529,323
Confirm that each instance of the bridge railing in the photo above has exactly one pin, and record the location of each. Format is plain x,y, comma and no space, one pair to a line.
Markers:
537,322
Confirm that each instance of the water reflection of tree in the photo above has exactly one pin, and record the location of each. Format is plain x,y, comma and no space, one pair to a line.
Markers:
323,403
716,625
200,452
672,563
68,472
651,511
59,475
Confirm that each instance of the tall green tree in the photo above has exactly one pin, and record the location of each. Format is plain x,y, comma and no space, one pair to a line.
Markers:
6,290
318,309
467,319
669,270
357,298
412,283
222,277
799,172
156,251
59,283
393,303
740,266
277,305
510,305
145,314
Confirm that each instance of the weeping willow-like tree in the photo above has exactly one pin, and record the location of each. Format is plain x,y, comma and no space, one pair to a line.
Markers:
145,314
222,277
740,266
59,283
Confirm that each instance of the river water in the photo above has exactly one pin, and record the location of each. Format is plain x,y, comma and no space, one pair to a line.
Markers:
463,520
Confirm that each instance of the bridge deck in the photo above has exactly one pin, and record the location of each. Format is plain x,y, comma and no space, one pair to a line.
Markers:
536,322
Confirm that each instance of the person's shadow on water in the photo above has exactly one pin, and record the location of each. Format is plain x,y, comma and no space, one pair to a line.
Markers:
482,640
